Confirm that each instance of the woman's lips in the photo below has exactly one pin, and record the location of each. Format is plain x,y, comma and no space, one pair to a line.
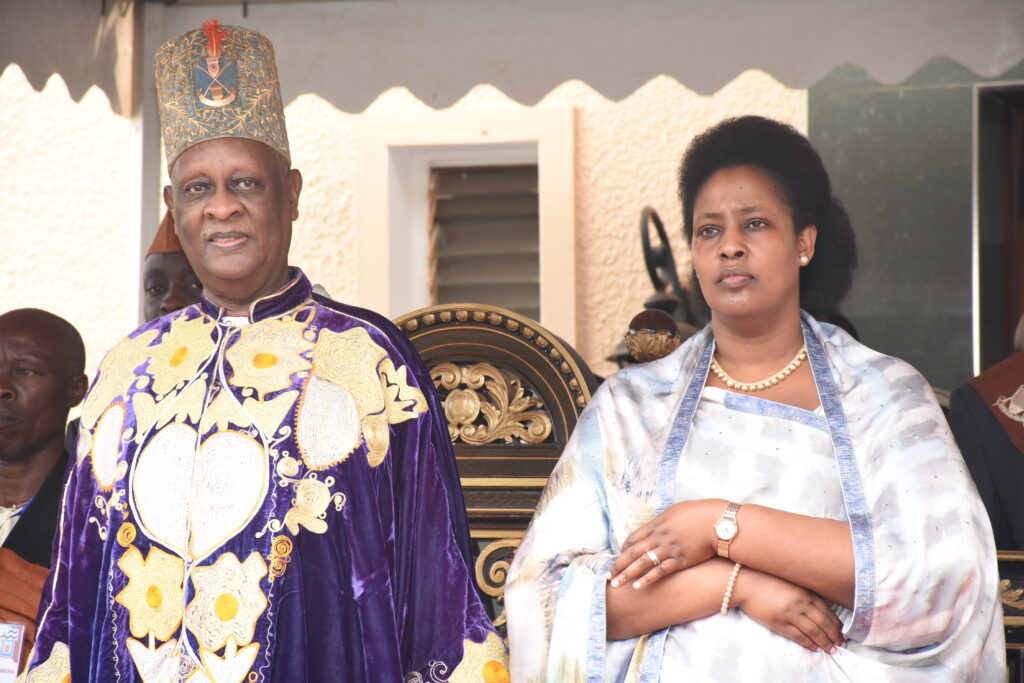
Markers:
735,278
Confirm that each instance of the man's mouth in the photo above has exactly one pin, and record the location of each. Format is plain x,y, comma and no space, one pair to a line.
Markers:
7,421
228,240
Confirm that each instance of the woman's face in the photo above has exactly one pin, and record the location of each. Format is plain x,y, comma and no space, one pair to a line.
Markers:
745,249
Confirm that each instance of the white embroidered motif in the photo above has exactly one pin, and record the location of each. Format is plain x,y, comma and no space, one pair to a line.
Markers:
155,663
198,499
106,446
1013,406
328,424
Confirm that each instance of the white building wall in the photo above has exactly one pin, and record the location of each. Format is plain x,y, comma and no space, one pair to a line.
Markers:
67,243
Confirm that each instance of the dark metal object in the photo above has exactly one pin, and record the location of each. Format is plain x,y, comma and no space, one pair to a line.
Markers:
669,295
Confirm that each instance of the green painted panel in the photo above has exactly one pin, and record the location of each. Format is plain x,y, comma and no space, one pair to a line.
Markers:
900,158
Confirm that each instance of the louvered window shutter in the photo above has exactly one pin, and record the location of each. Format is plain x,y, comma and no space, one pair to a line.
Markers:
484,244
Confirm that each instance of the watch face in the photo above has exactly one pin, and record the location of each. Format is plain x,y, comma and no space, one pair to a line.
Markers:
726,529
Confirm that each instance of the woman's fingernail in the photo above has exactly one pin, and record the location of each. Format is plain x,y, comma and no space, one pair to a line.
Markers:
607,576
832,650
637,584
615,583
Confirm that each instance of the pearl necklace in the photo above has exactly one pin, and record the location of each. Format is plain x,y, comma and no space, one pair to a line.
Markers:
765,383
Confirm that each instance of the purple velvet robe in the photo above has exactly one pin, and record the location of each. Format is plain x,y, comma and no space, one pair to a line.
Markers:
270,501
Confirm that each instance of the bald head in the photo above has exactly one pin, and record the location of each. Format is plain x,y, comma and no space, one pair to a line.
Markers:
54,335
41,378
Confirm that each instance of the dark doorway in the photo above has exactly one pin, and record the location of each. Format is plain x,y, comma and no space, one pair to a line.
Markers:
1000,219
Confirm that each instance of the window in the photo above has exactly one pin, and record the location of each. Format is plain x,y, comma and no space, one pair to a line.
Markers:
399,154
483,243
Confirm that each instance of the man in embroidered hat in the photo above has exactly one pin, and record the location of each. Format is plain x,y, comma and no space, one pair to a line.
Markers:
168,281
264,487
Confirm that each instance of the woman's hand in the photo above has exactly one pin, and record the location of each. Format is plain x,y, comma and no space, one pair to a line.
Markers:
680,537
789,610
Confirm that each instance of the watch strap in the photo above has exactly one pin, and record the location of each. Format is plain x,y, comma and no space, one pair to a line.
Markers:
723,544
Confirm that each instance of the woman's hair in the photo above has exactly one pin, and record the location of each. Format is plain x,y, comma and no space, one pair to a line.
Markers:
787,156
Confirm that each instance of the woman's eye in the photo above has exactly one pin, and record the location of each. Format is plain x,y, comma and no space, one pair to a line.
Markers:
756,224
706,231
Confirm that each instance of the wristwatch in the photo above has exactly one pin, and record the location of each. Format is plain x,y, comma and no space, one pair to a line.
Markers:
726,528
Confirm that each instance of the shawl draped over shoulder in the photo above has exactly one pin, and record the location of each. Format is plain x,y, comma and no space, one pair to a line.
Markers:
926,598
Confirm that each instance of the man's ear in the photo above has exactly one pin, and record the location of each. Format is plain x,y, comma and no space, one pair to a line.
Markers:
294,190
76,391
168,198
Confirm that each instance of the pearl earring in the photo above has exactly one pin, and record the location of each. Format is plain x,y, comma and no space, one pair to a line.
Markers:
804,260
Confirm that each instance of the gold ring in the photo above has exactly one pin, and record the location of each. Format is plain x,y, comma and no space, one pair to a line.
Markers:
653,558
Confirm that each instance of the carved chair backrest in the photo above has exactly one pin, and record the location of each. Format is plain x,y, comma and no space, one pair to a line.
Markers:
512,393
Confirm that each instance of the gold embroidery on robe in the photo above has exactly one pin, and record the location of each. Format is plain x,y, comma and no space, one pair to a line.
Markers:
270,414
223,412
154,596
353,362
267,354
56,668
228,600
116,375
185,347
404,402
233,667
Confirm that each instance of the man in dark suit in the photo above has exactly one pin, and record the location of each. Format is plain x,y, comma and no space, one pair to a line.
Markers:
42,360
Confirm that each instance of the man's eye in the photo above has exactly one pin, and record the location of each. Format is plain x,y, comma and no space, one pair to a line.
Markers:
155,289
756,224
26,371
245,183
195,188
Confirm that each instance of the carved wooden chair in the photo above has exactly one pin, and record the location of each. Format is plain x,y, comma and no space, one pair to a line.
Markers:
512,393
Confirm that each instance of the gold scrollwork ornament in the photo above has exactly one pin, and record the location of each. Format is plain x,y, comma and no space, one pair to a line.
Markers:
492,569
483,392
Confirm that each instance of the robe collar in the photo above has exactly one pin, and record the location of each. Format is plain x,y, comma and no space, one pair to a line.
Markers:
288,298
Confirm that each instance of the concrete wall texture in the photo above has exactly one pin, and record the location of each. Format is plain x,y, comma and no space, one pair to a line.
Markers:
65,231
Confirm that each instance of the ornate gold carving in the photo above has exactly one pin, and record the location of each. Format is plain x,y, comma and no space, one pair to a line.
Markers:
485,404
1011,596
648,345
510,324
492,570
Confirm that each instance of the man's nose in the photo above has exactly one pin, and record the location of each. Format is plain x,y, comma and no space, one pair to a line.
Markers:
7,391
222,205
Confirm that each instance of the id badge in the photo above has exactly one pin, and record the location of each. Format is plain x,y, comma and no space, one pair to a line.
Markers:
12,640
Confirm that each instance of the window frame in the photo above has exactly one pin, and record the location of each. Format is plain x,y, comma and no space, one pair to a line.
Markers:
395,153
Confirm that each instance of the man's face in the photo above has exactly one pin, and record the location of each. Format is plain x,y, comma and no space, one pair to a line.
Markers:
36,389
169,284
233,202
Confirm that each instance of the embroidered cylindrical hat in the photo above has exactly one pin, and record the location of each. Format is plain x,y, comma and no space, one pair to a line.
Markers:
218,82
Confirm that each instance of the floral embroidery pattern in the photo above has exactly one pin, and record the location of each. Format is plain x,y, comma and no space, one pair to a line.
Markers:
228,600
154,595
267,354
116,375
186,346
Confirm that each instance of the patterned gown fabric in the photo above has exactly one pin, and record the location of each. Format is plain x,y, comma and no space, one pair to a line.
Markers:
877,454
273,501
